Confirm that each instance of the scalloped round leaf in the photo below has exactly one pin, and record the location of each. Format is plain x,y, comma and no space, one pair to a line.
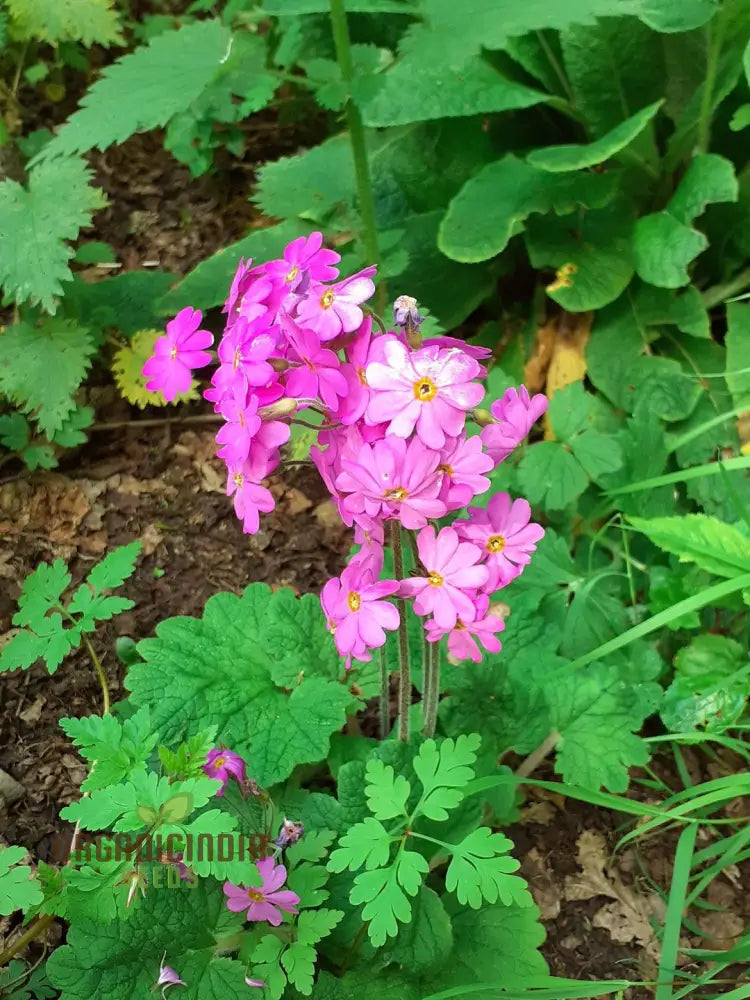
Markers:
260,667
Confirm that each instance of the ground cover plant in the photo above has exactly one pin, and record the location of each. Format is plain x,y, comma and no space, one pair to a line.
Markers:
499,309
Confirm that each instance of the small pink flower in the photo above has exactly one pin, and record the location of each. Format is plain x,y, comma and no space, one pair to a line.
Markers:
504,534
354,403
167,977
392,479
242,423
168,370
265,901
223,765
453,577
354,604
304,255
462,463
428,390
462,638
333,309
516,413
319,371
244,351
250,498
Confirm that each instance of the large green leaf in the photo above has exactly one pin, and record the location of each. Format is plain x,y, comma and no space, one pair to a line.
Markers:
576,157
260,667
145,88
677,15
493,205
87,21
713,545
665,243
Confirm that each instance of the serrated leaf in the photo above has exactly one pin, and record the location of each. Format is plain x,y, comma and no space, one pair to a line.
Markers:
35,224
386,792
127,368
677,15
445,771
116,750
664,243
550,476
481,869
17,890
312,846
314,925
23,650
72,431
709,543
115,568
384,892
41,368
366,844
146,87
239,668
493,205
42,590
87,21
577,157
14,431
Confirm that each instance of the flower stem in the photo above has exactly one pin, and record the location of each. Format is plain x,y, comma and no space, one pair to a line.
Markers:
431,705
426,679
100,674
385,695
404,688
39,926
365,195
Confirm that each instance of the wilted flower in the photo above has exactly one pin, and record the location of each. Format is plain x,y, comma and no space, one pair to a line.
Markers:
289,833
167,977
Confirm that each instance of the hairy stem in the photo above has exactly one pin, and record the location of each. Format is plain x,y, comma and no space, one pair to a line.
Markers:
535,758
32,932
404,687
385,696
430,722
365,195
426,679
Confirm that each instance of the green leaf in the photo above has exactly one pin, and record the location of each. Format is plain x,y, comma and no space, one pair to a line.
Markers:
570,411
115,750
427,940
314,925
593,257
126,301
493,205
88,21
444,771
599,712
121,960
14,431
386,792
738,353
677,15
366,844
713,545
496,944
17,890
576,157
313,846
41,368
384,891
550,475
116,567
41,591
35,224
599,454
662,306
709,690
261,667
481,869
147,87
664,243
417,90
72,431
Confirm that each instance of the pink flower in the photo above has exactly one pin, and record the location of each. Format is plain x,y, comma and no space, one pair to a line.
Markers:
266,901
319,371
168,370
240,411
354,604
332,309
240,282
452,577
516,414
428,390
462,464
462,644
223,765
305,255
505,535
244,350
354,403
392,479
250,498
167,977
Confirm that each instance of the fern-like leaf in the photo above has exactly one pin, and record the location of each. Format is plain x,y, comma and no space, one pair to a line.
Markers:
88,21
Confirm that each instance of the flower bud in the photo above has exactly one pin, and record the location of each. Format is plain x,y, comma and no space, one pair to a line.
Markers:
406,314
279,364
289,833
483,418
499,610
281,408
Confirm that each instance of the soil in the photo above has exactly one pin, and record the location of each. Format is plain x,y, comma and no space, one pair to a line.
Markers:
164,486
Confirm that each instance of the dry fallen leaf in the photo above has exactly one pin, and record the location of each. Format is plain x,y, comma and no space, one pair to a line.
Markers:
544,888
34,711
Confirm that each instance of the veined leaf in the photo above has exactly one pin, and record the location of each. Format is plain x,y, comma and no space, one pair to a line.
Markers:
88,21
710,543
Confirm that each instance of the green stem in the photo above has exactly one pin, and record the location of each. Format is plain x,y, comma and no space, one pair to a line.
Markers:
365,194
430,722
404,687
32,932
95,662
385,696
426,680
717,294
714,38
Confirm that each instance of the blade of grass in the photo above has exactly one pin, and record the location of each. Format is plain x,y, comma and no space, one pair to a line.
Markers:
675,906
695,472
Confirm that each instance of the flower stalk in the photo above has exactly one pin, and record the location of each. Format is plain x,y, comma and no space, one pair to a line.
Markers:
433,697
404,685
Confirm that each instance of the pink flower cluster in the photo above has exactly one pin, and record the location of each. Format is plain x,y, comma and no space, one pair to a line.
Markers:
392,447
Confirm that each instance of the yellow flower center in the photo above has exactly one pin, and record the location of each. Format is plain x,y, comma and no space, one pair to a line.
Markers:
397,494
425,390
239,479
326,299
219,762
435,579
173,353
353,600
292,274
495,543
447,469
255,895
361,376
237,359
459,626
